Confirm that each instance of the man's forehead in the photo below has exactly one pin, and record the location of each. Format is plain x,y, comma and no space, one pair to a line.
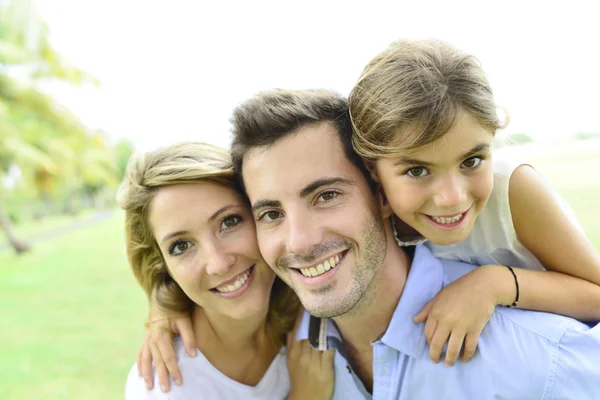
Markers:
294,161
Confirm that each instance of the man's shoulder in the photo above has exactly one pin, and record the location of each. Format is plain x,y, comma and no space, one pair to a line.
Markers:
548,326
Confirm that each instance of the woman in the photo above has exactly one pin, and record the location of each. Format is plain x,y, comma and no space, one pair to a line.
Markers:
192,246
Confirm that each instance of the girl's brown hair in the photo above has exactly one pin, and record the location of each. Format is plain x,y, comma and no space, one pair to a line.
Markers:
412,93
189,162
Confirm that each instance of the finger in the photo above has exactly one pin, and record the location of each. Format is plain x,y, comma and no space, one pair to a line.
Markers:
291,342
454,346
146,366
183,326
138,359
470,346
327,357
430,327
437,342
161,369
424,313
167,350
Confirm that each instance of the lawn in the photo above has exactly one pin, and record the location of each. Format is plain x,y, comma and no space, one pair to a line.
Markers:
72,317
72,314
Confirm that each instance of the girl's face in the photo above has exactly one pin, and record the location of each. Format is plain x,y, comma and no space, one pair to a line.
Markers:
440,188
207,237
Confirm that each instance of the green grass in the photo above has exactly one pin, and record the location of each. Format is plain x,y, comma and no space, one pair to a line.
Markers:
31,228
72,317
72,314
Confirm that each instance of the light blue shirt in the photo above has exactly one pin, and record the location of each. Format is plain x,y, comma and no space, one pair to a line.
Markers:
520,354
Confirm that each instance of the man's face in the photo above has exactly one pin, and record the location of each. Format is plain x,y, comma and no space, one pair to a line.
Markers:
318,224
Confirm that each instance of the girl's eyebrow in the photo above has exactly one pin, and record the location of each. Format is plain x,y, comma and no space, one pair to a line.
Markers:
413,161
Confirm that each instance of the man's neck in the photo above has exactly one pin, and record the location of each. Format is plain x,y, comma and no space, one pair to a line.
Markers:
370,318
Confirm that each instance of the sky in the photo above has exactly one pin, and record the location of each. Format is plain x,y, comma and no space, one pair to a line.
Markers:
174,70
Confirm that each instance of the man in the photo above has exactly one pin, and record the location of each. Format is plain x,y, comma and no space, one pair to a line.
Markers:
324,229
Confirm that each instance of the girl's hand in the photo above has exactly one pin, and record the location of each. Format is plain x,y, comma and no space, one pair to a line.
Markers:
457,315
158,347
311,370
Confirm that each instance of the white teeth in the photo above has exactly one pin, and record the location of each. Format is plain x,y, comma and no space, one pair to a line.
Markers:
447,220
236,285
321,268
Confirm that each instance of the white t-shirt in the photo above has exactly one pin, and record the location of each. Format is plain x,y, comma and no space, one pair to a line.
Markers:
493,239
201,380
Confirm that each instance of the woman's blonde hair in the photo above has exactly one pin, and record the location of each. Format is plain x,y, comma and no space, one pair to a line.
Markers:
412,93
181,163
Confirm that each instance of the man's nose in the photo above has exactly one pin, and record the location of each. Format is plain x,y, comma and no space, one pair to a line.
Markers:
303,234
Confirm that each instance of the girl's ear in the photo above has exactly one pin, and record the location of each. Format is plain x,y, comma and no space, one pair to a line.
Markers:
384,205
372,170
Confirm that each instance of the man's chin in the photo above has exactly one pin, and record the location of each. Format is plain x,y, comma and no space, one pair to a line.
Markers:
324,308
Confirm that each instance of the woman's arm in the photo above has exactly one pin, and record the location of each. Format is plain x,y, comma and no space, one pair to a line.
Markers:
571,286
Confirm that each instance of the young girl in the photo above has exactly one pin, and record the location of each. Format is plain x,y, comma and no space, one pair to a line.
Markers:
425,118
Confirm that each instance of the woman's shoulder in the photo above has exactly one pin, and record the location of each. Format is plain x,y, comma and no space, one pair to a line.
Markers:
194,371
201,380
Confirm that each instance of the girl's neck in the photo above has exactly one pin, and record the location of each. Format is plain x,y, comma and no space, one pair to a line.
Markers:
404,231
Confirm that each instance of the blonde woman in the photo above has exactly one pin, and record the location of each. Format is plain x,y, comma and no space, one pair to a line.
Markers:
192,246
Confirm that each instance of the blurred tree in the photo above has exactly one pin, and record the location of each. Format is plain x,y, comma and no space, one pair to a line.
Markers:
50,145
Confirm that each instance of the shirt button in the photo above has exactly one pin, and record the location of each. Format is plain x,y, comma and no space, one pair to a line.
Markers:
348,368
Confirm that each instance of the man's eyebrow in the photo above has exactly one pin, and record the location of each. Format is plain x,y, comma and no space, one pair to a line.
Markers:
265,203
311,187
413,161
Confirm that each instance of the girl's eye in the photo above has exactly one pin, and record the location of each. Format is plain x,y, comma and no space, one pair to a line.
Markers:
179,247
328,195
230,222
269,216
417,172
471,163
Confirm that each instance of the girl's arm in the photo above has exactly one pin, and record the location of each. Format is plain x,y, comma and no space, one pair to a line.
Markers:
571,286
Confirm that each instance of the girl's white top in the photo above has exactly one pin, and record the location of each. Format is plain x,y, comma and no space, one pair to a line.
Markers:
493,239
201,380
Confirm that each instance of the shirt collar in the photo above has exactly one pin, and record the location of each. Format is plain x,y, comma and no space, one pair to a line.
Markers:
304,328
425,279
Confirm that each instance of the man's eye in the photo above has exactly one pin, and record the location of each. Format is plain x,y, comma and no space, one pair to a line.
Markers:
329,195
179,247
417,172
231,222
471,163
269,216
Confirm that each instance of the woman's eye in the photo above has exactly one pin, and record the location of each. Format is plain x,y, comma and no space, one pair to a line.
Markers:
231,222
471,163
417,172
179,247
269,216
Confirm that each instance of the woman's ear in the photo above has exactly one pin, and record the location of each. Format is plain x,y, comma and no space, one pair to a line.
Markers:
372,170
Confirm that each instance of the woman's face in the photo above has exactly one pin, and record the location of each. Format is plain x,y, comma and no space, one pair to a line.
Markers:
207,237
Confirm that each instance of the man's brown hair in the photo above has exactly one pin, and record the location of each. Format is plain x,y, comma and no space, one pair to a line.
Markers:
275,114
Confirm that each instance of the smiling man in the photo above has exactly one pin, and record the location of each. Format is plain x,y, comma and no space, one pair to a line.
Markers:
324,229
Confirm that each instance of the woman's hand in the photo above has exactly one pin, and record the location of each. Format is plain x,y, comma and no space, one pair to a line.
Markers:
158,347
311,370
458,314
